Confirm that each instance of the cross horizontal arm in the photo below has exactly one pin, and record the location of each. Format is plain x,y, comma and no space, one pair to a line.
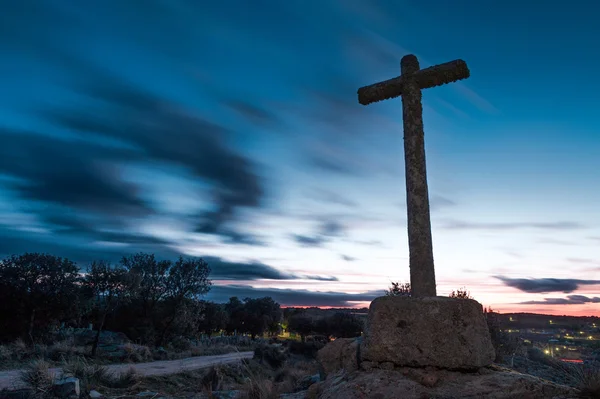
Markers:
426,78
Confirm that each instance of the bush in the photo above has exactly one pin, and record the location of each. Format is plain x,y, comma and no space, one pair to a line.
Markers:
307,349
37,376
274,355
180,344
137,353
586,378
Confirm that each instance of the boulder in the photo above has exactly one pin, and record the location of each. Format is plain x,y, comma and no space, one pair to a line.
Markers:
413,383
66,388
442,332
343,353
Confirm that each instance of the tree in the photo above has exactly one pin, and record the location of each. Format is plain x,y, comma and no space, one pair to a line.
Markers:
109,286
461,293
45,285
187,279
235,315
213,318
399,289
504,343
150,278
345,325
261,315
301,324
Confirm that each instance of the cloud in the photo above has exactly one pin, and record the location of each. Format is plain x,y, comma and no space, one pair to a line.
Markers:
326,231
464,225
165,133
82,249
331,229
71,173
348,258
254,114
221,269
437,202
307,241
583,260
543,285
569,300
290,297
225,270
327,196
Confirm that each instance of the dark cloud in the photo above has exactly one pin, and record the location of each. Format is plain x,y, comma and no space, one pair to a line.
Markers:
542,285
230,236
72,173
164,132
331,229
368,243
348,258
289,297
569,300
83,250
320,278
334,165
326,231
307,241
463,225
225,270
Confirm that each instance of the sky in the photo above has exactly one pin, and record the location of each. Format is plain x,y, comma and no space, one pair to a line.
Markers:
231,130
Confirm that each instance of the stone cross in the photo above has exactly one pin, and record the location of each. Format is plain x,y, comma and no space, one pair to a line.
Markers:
409,85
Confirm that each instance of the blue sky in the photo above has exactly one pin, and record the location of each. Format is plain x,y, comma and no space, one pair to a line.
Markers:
231,130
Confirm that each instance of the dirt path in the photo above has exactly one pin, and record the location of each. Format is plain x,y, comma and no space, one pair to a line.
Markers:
10,379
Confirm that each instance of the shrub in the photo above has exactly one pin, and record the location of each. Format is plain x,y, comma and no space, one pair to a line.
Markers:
586,378
37,376
137,353
307,349
90,375
180,344
274,355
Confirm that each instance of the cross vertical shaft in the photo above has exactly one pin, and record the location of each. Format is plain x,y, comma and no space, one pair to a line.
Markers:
420,245
409,85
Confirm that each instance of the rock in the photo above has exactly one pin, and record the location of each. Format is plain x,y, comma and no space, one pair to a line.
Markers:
437,383
66,388
367,366
95,394
435,331
295,395
386,365
25,393
339,354
146,394
307,381
233,394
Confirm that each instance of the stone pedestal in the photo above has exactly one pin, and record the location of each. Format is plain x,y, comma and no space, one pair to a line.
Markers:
443,332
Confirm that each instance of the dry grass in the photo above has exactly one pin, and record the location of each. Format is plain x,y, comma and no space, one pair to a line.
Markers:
261,388
588,380
14,354
37,376
584,377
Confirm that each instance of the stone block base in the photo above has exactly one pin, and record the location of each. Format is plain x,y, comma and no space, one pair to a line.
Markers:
442,332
